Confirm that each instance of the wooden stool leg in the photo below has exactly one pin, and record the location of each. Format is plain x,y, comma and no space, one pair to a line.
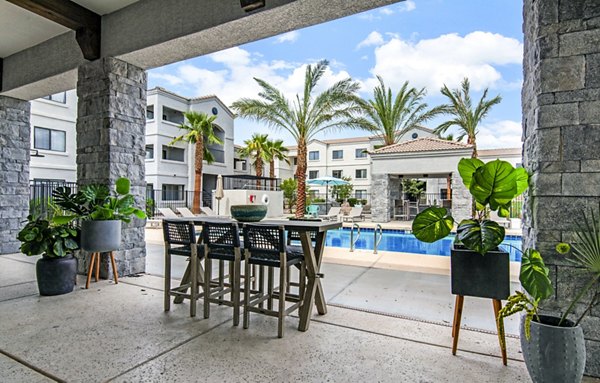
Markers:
114,267
270,284
458,306
98,257
90,270
497,307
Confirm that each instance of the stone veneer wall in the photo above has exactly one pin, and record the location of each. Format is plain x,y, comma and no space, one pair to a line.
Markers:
561,129
384,190
14,171
461,199
111,124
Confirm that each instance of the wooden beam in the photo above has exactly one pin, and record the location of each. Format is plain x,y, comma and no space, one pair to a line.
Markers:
84,22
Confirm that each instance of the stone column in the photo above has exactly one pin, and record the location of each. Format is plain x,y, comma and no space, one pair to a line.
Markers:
461,199
384,190
111,143
14,171
561,130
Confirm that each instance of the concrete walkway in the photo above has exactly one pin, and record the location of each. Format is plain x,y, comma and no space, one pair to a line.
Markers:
119,333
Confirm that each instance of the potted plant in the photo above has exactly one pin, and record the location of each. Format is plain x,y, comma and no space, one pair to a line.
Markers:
57,269
100,212
554,347
478,267
413,189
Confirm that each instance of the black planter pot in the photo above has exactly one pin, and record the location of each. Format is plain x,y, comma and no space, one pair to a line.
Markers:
476,275
56,276
553,354
100,236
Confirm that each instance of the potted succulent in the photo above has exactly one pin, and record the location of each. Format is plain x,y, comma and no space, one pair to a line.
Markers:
478,267
57,269
100,212
554,346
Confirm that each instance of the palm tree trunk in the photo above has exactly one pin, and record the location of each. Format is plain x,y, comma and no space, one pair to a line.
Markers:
199,159
301,177
471,141
272,173
259,170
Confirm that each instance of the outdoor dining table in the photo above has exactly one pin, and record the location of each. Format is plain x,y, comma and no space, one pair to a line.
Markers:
312,257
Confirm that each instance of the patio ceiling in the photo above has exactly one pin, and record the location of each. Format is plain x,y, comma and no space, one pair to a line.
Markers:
40,57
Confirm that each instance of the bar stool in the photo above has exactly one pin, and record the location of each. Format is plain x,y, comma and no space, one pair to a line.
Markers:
180,239
265,246
221,241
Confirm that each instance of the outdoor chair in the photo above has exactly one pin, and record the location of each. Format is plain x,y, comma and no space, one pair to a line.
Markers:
333,214
221,241
180,239
355,214
185,212
265,247
502,221
167,212
207,210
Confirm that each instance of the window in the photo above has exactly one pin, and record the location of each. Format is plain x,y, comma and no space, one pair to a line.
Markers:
58,97
172,115
415,135
49,139
336,173
149,152
360,153
361,173
150,112
173,154
337,154
172,192
312,174
444,194
313,156
295,160
360,194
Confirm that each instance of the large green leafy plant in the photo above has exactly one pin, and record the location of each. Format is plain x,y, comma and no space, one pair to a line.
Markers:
493,186
39,236
96,202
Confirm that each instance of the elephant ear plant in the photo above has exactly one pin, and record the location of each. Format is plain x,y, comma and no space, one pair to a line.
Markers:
493,186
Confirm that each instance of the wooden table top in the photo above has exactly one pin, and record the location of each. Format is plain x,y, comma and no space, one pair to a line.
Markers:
319,226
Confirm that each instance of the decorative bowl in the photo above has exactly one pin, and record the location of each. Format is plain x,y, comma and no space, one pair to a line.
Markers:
248,213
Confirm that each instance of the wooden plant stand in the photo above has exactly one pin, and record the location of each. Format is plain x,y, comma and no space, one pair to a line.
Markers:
458,306
95,268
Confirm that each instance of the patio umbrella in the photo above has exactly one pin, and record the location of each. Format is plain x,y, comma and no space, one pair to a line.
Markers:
219,194
327,180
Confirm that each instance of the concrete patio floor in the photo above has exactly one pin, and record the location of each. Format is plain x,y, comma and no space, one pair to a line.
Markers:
119,333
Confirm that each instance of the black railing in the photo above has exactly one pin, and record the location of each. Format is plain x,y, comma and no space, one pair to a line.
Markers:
40,195
248,182
354,198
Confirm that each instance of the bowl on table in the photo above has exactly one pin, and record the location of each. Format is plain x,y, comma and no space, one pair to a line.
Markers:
248,213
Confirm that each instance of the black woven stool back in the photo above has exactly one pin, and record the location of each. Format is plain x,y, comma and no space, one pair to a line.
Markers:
265,242
221,235
179,233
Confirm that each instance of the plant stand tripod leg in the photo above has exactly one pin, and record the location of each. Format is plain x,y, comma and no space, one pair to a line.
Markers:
114,267
497,307
456,325
98,257
90,270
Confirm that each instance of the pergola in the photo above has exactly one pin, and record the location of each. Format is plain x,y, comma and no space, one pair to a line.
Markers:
103,48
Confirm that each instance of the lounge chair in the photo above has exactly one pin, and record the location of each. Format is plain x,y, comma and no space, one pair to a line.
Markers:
167,212
206,210
185,212
333,214
355,214
500,220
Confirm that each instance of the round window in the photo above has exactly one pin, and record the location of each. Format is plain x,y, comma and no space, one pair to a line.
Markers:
215,111
415,135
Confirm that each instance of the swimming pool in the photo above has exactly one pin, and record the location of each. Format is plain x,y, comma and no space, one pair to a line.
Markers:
399,240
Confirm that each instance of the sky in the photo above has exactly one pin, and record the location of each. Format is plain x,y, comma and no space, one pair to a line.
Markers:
428,43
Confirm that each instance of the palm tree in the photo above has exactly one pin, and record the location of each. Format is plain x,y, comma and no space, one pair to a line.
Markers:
465,117
393,117
200,131
275,151
256,150
305,116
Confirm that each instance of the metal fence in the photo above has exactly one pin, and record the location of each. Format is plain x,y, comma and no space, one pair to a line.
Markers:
40,195
248,182
363,198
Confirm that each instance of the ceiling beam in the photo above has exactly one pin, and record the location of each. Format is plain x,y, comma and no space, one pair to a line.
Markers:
84,22
1,72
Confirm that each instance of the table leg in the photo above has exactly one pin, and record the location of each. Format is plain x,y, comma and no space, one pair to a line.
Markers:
186,279
314,290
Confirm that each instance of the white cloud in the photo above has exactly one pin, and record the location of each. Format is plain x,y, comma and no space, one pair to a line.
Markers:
289,37
386,11
407,6
169,78
373,39
446,59
500,134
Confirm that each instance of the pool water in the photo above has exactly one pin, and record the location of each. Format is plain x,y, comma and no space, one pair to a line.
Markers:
399,240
